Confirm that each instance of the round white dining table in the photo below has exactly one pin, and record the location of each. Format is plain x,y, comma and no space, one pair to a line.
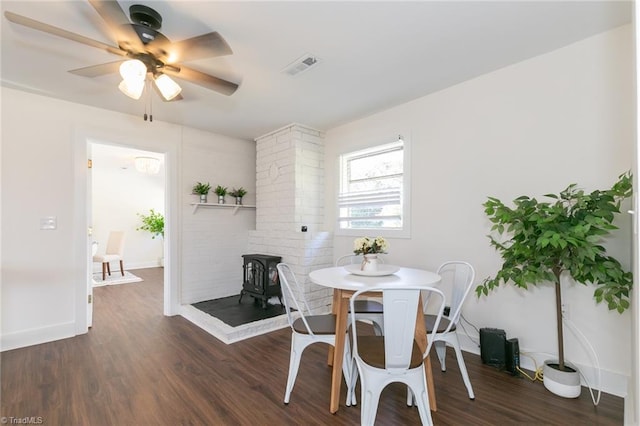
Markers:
340,278
344,284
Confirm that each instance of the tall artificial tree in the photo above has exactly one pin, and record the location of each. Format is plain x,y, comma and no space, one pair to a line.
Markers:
546,239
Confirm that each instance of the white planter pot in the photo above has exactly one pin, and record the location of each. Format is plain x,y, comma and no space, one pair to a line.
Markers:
562,383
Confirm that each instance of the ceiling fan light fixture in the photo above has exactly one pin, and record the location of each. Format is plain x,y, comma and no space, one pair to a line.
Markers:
132,89
133,70
167,87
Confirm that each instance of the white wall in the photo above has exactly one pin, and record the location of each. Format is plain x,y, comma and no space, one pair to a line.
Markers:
44,173
214,239
119,193
531,128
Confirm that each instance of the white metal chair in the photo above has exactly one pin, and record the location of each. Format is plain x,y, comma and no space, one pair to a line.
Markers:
394,357
306,328
366,309
113,252
459,277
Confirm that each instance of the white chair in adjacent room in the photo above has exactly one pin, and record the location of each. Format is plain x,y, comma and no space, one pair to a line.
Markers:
306,328
367,309
113,253
394,357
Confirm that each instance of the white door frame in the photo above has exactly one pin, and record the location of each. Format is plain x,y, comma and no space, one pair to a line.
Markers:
632,400
83,137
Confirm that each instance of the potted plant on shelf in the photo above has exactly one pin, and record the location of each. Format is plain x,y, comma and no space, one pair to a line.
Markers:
153,223
238,194
549,239
201,189
220,191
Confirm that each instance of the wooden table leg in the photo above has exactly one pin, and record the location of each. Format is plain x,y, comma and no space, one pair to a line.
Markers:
341,310
334,310
421,339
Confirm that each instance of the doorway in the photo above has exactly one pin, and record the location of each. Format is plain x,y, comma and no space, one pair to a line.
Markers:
124,185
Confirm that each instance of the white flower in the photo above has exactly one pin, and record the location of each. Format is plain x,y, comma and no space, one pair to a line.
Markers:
382,244
367,245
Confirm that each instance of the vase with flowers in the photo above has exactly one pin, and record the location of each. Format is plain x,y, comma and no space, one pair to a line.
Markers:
369,248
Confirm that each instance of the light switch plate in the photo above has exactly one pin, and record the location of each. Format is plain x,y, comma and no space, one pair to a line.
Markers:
48,223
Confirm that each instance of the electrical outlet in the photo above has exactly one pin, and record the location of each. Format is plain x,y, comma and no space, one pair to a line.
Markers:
566,311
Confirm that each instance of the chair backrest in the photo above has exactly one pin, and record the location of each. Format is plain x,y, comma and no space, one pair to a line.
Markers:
353,259
115,244
293,296
459,277
400,311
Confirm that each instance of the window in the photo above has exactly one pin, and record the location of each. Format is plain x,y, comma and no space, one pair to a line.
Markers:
372,191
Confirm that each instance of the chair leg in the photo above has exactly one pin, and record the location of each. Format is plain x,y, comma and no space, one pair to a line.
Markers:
294,364
351,385
463,367
441,351
377,328
349,373
104,271
410,397
121,268
422,401
369,400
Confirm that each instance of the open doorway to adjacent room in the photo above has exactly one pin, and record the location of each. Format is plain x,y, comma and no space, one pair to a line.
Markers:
125,185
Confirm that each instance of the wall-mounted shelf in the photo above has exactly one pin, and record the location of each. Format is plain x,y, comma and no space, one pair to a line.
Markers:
235,207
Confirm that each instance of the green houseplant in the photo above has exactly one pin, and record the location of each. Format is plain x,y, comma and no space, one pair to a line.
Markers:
220,191
153,222
238,194
547,239
201,189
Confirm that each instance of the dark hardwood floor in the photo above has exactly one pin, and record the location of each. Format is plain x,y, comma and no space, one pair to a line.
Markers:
138,367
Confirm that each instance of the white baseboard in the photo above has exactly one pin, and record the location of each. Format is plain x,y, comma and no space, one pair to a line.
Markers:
37,336
97,267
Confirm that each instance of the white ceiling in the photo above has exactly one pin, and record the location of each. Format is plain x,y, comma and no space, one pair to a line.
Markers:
374,55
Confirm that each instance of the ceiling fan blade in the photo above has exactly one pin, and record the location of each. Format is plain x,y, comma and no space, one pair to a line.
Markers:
203,46
118,23
40,26
205,80
98,70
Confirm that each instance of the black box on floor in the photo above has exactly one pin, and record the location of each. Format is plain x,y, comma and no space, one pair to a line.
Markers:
512,356
492,346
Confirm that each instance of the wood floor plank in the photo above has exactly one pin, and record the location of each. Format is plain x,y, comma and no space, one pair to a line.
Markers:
138,367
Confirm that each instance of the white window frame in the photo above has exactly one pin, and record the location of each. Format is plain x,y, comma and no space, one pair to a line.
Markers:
405,231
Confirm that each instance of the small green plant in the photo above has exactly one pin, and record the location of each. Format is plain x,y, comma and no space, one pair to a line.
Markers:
240,192
153,222
221,191
201,188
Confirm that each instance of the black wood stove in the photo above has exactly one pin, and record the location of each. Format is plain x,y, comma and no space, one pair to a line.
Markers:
260,278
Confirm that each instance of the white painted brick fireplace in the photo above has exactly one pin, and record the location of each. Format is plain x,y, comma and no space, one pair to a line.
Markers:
289,196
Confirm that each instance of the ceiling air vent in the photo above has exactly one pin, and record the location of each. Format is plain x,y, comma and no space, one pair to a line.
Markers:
301,65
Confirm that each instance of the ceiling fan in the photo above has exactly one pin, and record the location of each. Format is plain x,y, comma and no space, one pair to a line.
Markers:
147,54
